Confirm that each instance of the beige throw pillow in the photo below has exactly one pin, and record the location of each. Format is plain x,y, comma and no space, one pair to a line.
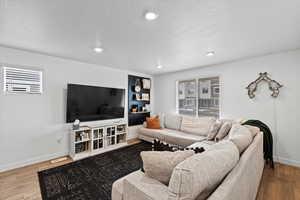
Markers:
240,136
224,130
214,130
159,165
253,129
162,120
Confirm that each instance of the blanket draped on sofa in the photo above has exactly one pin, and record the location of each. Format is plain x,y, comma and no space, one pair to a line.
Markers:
268,139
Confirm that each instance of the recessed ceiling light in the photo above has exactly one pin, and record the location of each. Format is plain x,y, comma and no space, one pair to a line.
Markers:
210,53
150,16
98,49
159,66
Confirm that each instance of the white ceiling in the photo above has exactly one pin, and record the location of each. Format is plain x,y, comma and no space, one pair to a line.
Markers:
179,38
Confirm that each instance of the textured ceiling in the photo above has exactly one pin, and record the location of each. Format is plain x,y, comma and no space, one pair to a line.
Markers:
178,39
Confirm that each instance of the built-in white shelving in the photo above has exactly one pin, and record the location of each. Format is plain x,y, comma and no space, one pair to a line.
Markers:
88,141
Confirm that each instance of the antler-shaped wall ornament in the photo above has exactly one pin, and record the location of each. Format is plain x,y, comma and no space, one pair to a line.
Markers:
273,85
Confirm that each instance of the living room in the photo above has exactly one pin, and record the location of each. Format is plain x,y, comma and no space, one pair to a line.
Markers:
158,79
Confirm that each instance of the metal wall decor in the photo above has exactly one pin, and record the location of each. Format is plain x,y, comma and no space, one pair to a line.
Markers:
273,85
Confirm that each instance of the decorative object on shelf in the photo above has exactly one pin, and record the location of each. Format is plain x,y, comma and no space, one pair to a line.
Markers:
146,108
137,86
145,97
273,85
84,135
76,124
134,108
137,97
146,83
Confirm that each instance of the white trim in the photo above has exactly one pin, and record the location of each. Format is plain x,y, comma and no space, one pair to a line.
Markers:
176,98
31,161
286,161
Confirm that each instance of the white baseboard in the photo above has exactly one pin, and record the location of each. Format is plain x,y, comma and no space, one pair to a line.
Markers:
286,161
31,161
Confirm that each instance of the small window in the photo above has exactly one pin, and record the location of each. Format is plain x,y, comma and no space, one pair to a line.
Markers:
17,80
199,97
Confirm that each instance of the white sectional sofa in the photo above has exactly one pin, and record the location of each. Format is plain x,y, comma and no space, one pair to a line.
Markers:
239,175
179,130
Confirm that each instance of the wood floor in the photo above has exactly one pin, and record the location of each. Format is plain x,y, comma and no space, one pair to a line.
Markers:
283,183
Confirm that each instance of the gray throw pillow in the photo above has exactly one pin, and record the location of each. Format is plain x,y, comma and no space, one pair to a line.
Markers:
224,130
214,130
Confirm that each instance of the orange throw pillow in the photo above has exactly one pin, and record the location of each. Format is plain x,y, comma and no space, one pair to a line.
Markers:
153,122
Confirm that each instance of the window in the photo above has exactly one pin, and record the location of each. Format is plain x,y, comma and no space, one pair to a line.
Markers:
208,97
199,97
187,97
17,80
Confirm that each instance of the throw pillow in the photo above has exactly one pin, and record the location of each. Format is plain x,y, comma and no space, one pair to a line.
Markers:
253,129
214,130
153,122
162,120
224,130
240,136
159,165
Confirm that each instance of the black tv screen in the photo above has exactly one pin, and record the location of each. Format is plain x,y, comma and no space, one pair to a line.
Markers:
91,103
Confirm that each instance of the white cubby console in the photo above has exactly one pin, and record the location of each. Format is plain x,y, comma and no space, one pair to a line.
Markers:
88,141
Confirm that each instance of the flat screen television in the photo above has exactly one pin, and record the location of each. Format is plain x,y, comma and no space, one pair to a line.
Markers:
91,103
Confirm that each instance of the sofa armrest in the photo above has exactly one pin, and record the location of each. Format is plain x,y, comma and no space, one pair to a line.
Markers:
140,187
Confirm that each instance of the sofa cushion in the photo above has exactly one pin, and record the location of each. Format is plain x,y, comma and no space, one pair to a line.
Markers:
198,126
199,175
138,186
240,136
172,121
171,136
214,130
160,164
223,131
231,121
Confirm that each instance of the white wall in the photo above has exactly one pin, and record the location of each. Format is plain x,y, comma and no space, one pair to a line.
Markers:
281,114
32,127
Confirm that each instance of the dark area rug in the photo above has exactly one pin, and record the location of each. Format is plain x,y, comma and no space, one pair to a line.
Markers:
91,178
